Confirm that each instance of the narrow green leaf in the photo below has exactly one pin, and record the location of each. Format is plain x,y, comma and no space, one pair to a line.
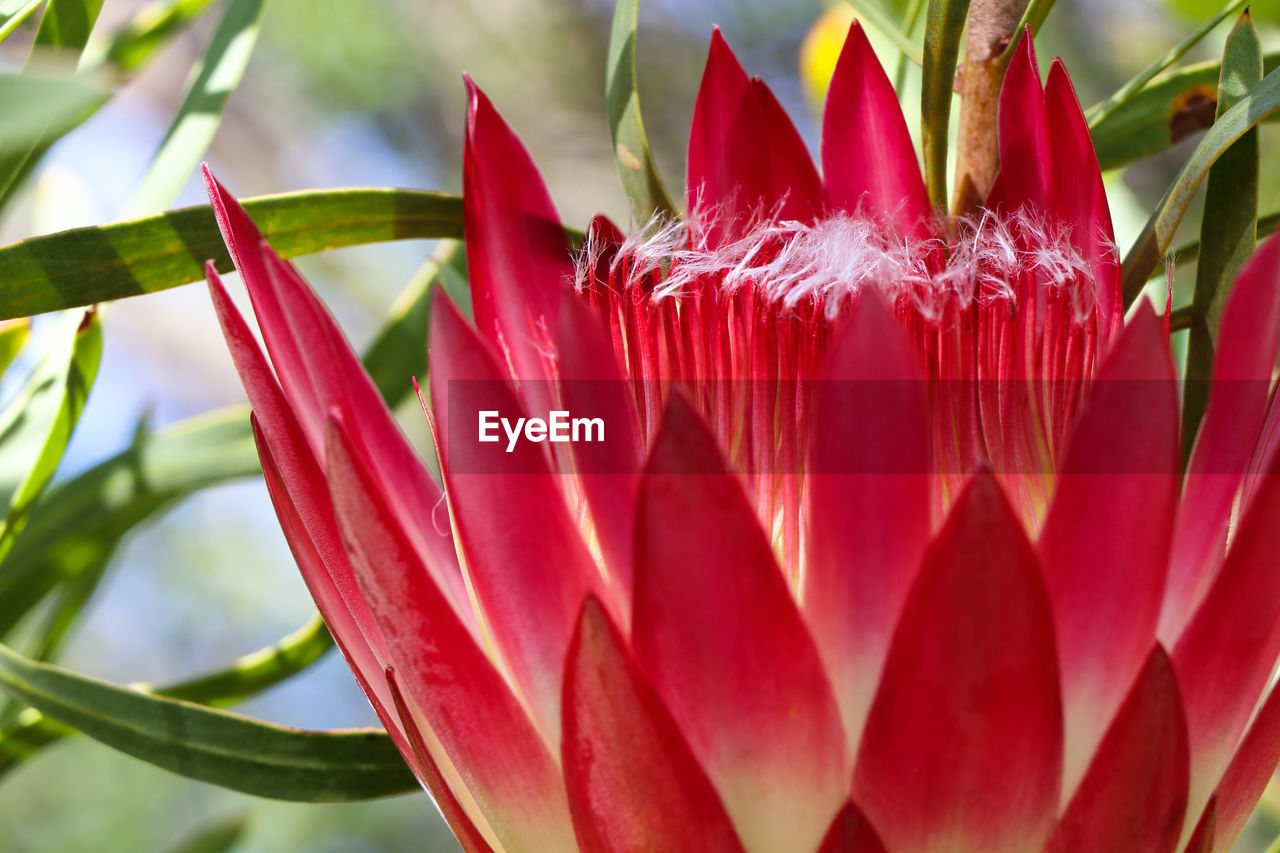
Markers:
1100,112
1157,236
1229,229
211,745
245,677
218,837
1189,252
87,265
67,24
214,77
38,107
148,30
13,13
13,334
944,27
636,168
872,13
1033,16
254,672
37,424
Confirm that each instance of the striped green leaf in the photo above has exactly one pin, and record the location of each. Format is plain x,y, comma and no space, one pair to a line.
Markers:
88,265
211,745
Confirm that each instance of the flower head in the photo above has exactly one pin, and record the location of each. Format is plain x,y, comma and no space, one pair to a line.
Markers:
886,546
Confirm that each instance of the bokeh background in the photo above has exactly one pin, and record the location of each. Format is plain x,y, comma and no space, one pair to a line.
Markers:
341,93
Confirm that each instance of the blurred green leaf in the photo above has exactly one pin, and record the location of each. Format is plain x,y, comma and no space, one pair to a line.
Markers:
1099,112
37,424
1156,238
39,107
74,530
1228,230
873,13
218,837
214,77
944,27
13,334
400,349
639,174
88,265
1169,109
148,30
13,13
67,24
910,20
64,30
210,745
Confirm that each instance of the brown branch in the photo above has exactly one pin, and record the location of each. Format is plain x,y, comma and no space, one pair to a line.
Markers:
991,25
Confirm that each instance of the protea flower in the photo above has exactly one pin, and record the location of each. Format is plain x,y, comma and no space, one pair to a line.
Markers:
886,547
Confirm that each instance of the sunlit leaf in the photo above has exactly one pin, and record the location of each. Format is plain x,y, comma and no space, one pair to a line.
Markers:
211,745
1228,230
944,27
67,24
214,77
36,426
13,334
1157,236
639,174
14,12
64,30
38,107
149,29
87,265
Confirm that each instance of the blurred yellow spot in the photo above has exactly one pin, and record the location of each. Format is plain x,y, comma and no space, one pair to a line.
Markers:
821,49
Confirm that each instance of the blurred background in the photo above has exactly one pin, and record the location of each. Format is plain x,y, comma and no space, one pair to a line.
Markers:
370,93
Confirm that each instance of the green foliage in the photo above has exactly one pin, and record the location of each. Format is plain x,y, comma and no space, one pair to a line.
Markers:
211,745
639,174
1229,229
88,265
36,426
214,77
1168,109
219,837
1157,237
149,30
